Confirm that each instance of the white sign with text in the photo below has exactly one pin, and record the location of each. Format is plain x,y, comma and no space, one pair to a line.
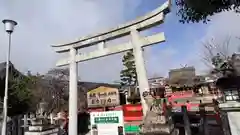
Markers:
107,123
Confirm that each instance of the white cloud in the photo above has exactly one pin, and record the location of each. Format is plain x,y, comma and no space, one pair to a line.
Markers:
46,22
225,23
221,26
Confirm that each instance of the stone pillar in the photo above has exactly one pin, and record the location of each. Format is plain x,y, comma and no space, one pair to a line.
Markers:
140,67
204,125
25,121
51,118
225,123
126,97
73,94
186,121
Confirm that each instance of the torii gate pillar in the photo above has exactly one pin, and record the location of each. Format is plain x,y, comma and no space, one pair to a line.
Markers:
140,67
73,93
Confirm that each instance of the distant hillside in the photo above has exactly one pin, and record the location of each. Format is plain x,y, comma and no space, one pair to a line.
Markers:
85,85
11,69
49,86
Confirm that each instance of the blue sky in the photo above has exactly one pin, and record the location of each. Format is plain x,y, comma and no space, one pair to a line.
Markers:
181,37
47,22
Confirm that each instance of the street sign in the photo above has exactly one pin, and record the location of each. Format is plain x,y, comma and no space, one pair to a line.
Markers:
106,120
132,129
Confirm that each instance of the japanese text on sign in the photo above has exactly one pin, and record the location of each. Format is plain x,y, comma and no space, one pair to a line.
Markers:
106,120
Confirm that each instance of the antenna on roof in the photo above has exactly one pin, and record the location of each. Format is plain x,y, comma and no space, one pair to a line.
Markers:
183,66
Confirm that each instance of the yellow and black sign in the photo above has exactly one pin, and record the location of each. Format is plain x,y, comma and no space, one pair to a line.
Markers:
103,97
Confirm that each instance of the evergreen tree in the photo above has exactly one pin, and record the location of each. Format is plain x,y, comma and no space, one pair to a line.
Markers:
200,10
18,92
128,74
129,77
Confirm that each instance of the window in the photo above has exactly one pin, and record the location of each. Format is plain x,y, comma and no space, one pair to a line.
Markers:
231,95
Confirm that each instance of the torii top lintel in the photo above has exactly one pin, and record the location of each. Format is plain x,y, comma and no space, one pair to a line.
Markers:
151,19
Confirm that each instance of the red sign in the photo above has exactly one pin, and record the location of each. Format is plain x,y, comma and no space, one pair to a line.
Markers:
132,112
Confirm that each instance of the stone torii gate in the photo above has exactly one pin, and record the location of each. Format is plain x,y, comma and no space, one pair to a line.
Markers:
132,28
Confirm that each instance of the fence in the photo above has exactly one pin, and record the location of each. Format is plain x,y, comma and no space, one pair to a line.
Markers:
14,126
181,94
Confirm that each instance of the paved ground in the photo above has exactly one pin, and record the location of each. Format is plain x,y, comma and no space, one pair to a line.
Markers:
196,99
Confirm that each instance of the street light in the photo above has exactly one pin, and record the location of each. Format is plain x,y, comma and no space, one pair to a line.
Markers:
9,28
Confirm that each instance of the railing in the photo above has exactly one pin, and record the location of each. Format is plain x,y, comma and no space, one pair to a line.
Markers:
14,126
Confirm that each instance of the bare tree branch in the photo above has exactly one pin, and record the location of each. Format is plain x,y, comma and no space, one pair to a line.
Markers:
211,48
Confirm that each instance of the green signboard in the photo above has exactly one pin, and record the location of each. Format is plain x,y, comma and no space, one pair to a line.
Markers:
103,120
131,129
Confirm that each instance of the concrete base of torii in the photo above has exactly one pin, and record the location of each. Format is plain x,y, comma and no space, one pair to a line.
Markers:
156,121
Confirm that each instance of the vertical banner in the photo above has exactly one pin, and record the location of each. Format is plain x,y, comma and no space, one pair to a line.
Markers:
132,112
133,115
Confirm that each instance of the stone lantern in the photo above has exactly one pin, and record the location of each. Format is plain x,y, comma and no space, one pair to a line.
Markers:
230,88
42,108
40,124
229,106
158,119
